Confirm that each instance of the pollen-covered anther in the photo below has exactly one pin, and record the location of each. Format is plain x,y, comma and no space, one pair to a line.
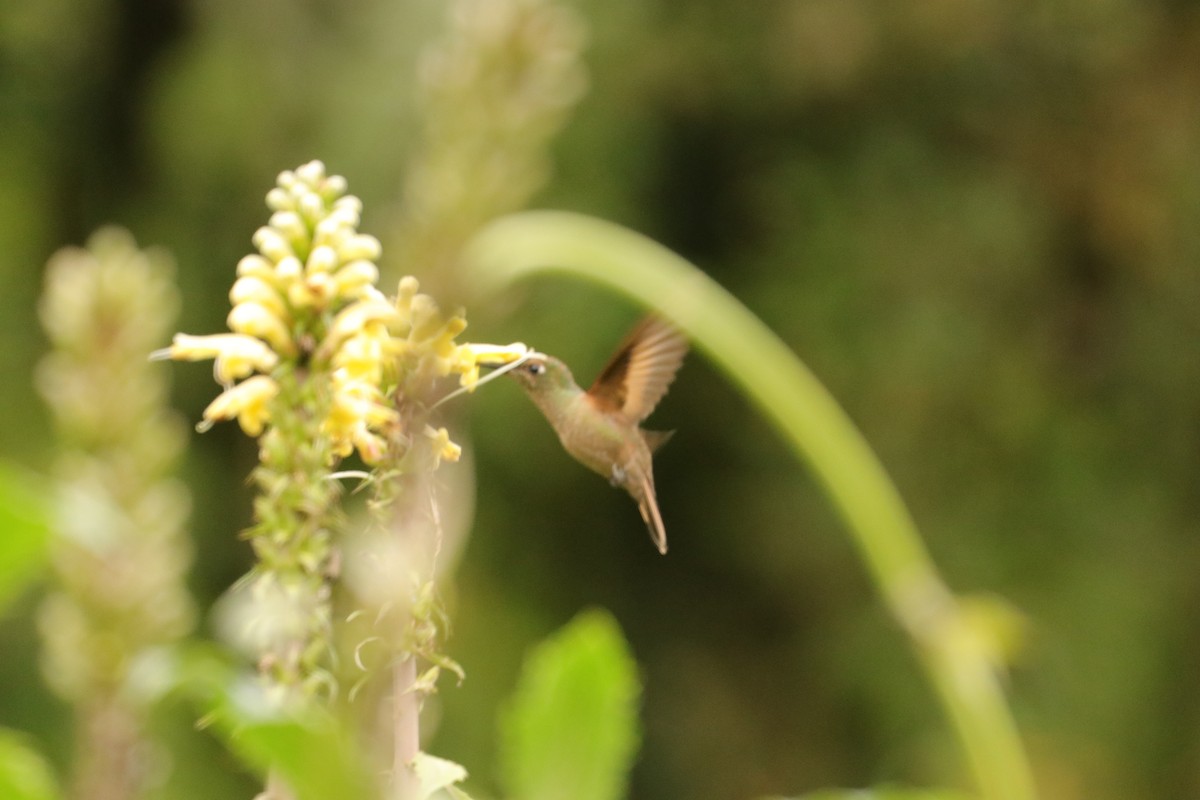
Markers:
248,401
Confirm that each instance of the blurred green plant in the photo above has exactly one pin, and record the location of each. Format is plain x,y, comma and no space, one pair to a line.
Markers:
119,552
494,92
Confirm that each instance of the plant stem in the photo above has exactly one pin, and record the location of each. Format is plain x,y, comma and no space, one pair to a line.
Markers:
820,433
406,718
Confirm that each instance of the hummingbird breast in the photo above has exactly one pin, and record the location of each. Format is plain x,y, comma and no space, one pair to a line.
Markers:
606,444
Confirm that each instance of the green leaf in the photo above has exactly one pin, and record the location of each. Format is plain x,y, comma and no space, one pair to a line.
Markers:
571,727
24,530
306,746
24,773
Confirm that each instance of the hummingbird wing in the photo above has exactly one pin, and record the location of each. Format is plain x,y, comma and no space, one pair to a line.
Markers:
641,370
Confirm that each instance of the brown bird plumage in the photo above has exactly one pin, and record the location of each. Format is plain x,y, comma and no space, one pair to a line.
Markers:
600,427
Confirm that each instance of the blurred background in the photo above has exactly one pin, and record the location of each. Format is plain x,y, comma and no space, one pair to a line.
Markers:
976,221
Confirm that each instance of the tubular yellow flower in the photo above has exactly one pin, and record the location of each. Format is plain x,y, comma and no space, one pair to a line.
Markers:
236,354
359,247
272,244
323,258
254,289
357,408
468,358
255,266
248,402
362,356
353,278
354,318
255,319
442,448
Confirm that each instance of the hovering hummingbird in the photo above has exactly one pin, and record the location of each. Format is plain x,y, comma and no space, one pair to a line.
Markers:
600,427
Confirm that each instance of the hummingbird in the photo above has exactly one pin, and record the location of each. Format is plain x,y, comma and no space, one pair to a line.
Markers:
600,428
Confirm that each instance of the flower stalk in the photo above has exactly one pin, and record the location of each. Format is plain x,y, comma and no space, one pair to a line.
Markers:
318,366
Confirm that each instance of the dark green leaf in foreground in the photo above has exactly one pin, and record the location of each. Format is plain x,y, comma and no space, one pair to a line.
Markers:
571,727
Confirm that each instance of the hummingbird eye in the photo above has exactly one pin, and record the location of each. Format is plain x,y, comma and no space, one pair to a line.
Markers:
535,368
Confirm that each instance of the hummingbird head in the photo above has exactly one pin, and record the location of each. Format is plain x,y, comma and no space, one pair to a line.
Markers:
543,373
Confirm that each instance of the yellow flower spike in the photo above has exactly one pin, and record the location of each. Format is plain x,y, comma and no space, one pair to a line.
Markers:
290,225
311,207
255,266
322,288
348,204
288,271
311,173
301,295
442,345
250,289
353,318
248,402
272,244
288,180
406,291
352,278
468,373
361,356
255,319
279,199
323,258
370,446
333,187
360,246
426,317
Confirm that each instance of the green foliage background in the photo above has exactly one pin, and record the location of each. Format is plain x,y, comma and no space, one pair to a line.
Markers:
977,222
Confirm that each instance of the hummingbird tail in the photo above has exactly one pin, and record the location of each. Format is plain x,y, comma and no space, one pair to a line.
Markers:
649,508
656,439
